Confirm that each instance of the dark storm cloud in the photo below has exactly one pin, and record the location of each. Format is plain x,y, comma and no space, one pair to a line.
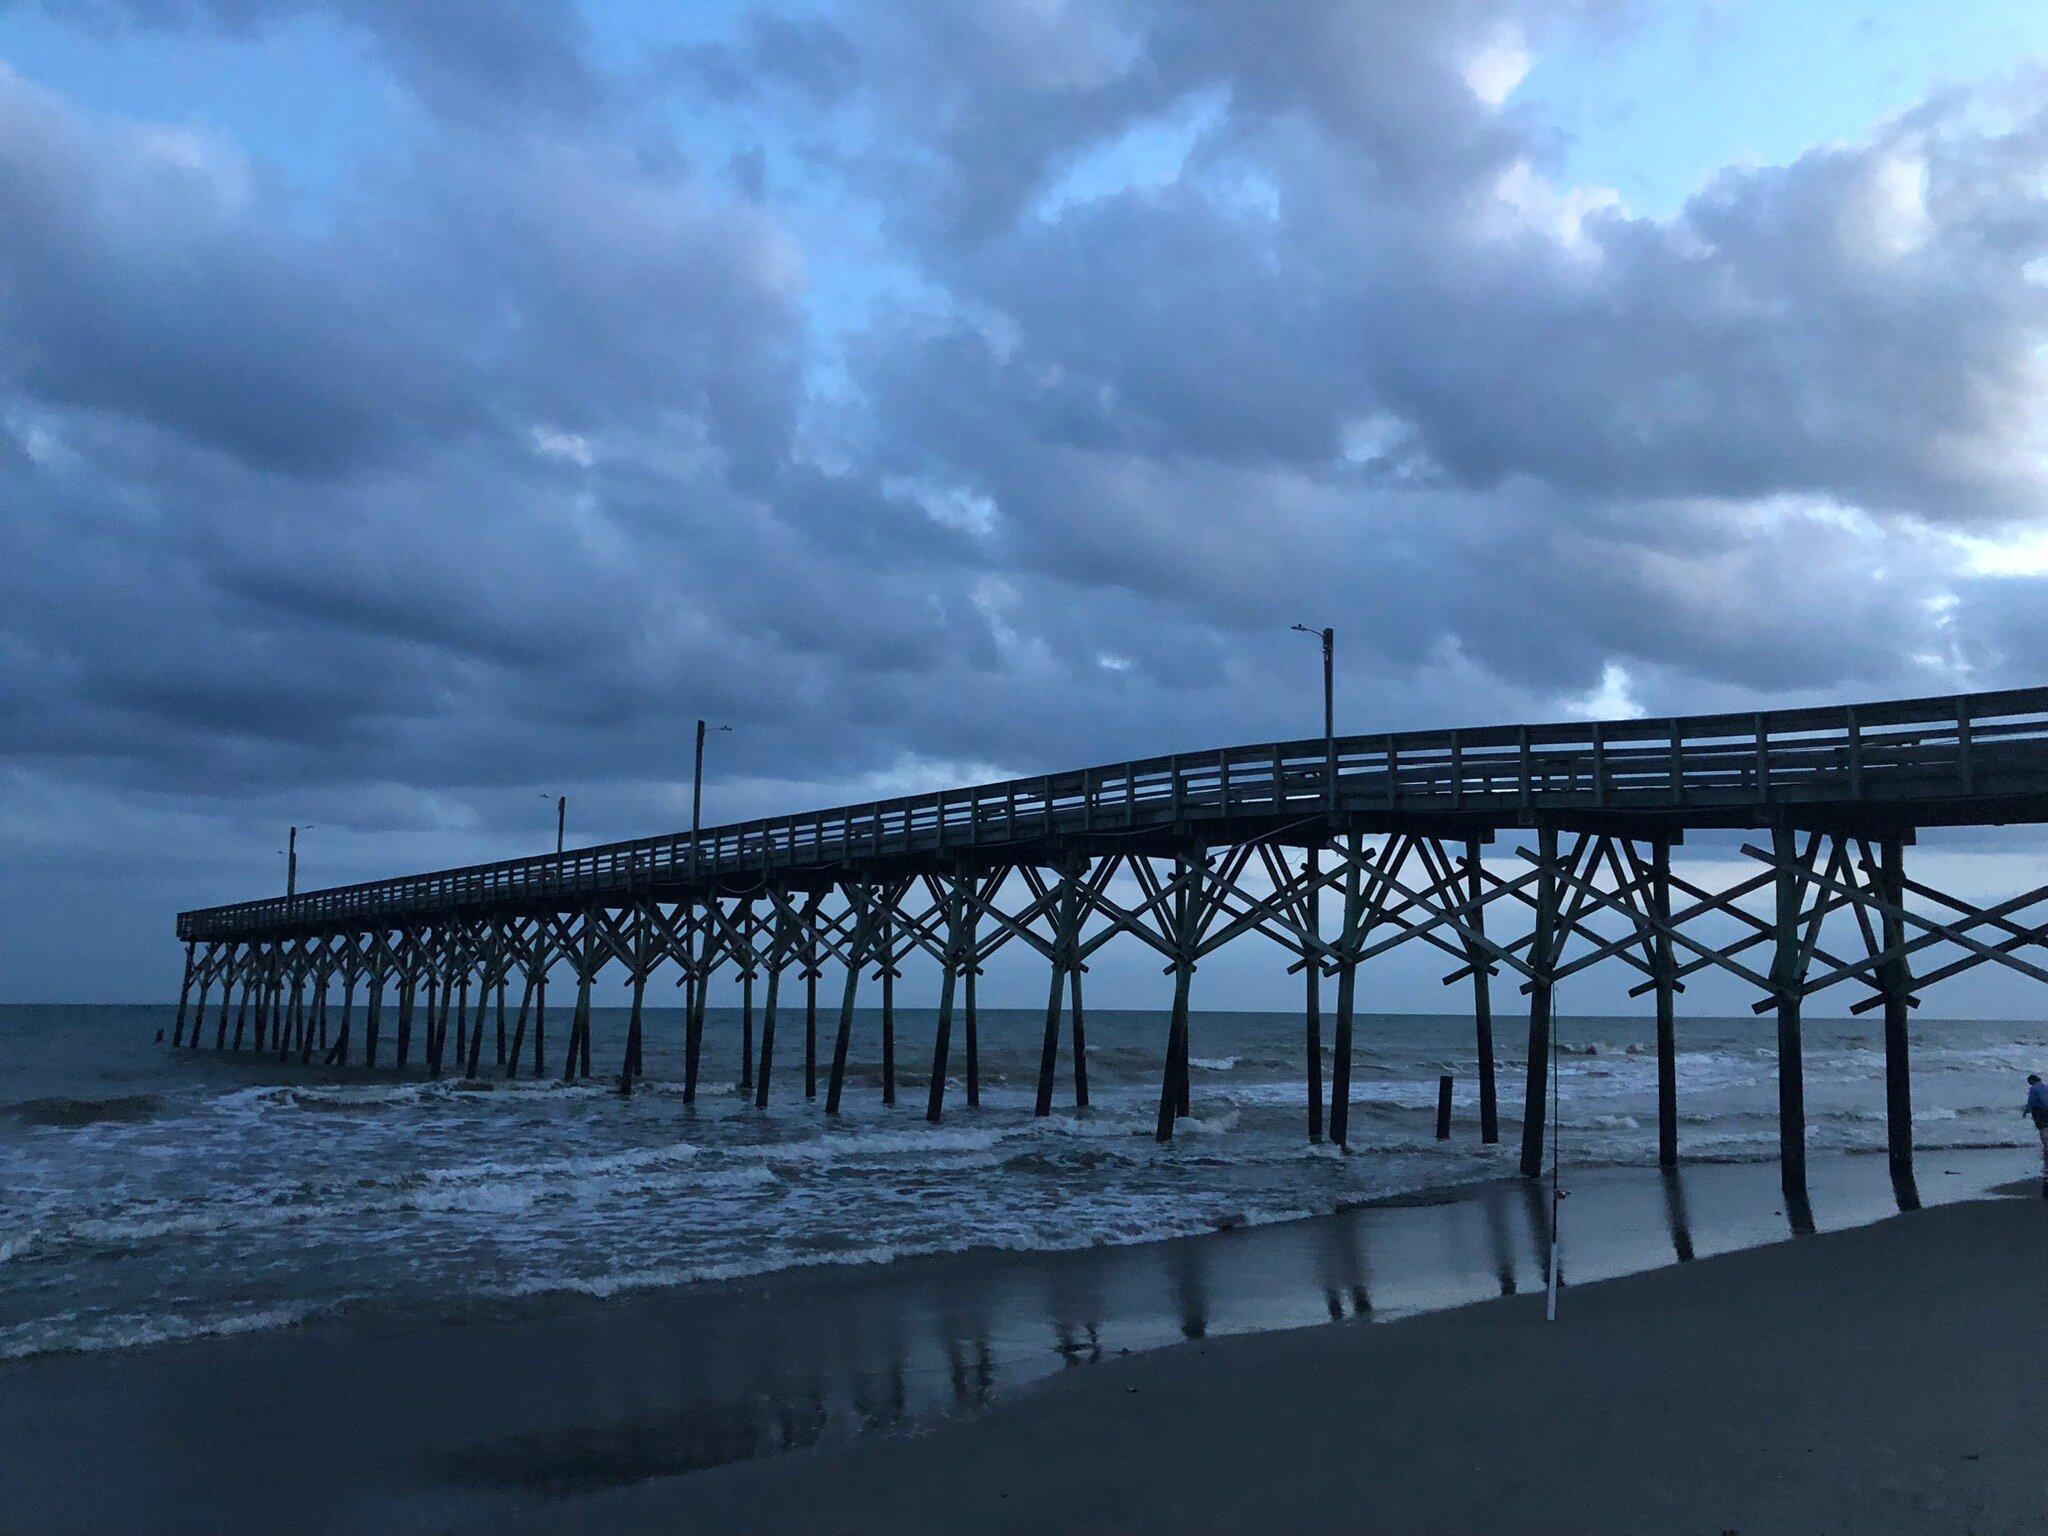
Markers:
478,58
1182,323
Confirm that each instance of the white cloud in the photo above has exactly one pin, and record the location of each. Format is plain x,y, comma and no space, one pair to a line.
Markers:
1613,699
1495,71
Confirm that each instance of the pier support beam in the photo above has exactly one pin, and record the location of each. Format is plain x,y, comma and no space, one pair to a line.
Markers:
1349,936
888,977
1665,974
1541,952
184,995
1188,904
856,957
1312,989
1482,995
1896,983
1786,972
949,975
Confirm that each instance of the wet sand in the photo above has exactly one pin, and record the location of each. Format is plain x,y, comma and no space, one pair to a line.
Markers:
742,1404
1889,1378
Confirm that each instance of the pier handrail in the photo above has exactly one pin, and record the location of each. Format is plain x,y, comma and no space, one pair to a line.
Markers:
1985,750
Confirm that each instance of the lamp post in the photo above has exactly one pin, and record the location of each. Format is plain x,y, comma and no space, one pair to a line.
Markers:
291,870
697,789
1329,639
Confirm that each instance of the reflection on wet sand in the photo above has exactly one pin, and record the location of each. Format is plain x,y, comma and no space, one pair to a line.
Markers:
786,1363
1674,1214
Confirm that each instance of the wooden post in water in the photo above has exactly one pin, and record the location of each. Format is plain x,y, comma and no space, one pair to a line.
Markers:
339,1056
1049,1047
373,1014
511,1060
1312,984
579,1021
1785,977
403,1046
501,1019
1665,974
888,974
476,1032
199,1014
248,980
746,1084
1896,983
811,1020
540,1023
1443,1107
1535,1096
942,1038
1080,1034
631,1065
184,995
1347,998
971,1018
780,942
856,957
227,990
695,982
1189,867
1482,995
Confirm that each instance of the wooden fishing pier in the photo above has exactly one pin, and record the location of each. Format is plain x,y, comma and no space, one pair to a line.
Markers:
1382,835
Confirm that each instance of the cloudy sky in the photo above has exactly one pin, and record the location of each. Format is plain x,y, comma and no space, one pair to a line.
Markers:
408,412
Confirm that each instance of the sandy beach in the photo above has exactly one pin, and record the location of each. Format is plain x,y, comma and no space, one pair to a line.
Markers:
1875,1376
1883,1379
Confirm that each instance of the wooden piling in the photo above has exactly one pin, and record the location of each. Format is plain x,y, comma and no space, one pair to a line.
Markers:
693,1018
511,1060
1664,973
1895,981
1535,1097
1785,977
856,957
199,1018
1173,1085
1347,997
747,1029
579,1024
942,1038
971,1019
1048,1051
811,1024
1443,1107
476,1027
1312,990
1171,1088
373,1016
775,957
631,1065
540,1023
1482,995
348,1016
402,1046
184,995
888,928
1340,1055
1080,1035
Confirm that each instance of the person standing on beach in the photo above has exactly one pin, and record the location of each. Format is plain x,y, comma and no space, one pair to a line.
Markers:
2037,1107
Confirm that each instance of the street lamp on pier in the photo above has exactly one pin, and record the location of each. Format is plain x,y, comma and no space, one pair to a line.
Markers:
697,790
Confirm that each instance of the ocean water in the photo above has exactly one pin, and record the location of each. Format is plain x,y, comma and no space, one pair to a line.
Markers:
149,1195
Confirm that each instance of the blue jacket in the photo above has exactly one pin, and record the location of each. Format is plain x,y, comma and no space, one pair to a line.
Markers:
2037,1102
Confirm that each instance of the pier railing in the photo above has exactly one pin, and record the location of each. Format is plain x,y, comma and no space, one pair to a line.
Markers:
1981,756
